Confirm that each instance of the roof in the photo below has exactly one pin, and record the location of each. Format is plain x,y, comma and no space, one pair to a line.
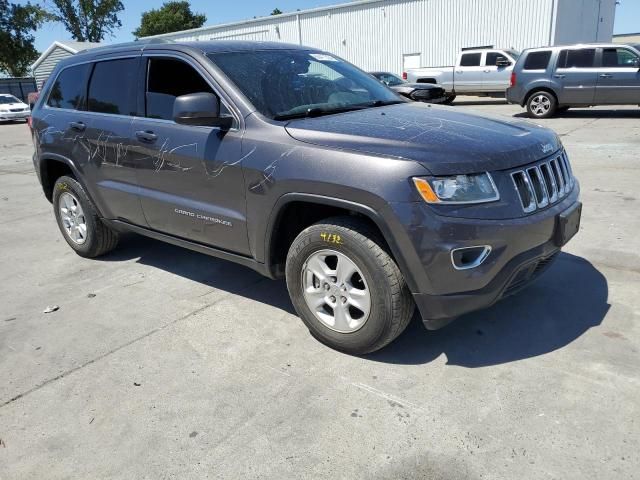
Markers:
272,18
68,45
209,46
632,34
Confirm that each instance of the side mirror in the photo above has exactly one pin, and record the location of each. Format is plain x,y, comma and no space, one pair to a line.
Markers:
636,62
502,62
201,109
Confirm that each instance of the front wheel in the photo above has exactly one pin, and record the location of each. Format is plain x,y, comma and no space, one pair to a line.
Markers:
541,104
346,288
448,99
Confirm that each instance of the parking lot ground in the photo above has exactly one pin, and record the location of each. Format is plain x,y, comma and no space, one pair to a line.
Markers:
164,363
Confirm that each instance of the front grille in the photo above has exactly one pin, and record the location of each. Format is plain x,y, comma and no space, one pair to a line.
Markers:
545,183
427,94
14,110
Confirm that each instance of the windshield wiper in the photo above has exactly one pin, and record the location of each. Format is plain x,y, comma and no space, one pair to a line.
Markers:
318,112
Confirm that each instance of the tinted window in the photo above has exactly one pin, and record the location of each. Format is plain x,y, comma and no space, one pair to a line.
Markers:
389,79
68,91
168,78
112,87
537,60
618,58
470,60
576,58
492,59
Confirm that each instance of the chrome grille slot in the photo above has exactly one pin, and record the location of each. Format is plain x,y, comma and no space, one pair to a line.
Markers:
525,192
549,181
537,183
544,183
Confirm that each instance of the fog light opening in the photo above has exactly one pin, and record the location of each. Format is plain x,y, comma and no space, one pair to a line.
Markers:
469,257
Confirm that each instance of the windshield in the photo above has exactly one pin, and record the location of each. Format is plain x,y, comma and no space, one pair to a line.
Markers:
6,99
514,54
285,84
389,79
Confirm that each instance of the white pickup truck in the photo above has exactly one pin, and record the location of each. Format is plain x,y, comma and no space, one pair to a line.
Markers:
481,72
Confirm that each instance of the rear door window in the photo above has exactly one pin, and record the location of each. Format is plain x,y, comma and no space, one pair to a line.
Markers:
68,91
470,59
537,60
112,87
582,58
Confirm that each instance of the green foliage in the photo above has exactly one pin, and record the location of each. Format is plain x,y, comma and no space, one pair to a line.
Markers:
276,11
88,20
171,17
17,24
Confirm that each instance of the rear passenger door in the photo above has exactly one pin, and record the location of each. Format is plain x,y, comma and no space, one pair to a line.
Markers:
190,177
618,77
468,74
576,76
107,129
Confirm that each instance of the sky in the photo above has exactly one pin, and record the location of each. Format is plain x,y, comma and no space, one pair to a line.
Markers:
627,15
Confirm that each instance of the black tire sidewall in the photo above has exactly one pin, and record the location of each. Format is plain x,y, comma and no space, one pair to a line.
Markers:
70,185
380,317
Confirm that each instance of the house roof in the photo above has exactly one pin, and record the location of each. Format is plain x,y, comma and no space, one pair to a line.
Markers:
68,45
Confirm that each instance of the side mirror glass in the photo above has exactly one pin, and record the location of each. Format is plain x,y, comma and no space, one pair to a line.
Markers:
200,109
503,62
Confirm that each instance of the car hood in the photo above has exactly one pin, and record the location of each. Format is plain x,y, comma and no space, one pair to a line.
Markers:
14,105
445,140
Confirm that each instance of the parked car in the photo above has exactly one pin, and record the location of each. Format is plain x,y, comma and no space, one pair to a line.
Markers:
478,71
297,164
12,109
419,92
551,79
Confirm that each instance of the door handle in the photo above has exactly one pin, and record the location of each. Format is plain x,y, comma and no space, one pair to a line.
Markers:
487,71
78,126
458,71
146,136
605,75
559,75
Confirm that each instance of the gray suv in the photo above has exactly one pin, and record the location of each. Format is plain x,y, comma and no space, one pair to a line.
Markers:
297,164
552,79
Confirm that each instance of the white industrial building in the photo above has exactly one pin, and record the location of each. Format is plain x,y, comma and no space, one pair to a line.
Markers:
398,34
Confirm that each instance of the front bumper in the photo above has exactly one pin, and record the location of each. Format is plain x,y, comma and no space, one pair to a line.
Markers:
5,116
521,249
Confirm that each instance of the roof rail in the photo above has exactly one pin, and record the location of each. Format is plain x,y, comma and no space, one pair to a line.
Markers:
135,43
482,47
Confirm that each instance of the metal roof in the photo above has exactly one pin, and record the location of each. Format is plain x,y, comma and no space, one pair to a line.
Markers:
68,45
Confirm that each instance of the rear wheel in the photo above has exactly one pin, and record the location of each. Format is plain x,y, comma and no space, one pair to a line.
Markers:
541,104
78,220
346,288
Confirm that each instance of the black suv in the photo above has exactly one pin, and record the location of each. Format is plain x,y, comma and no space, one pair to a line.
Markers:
295,163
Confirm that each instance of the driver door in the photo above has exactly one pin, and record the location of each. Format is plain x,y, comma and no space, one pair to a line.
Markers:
190,177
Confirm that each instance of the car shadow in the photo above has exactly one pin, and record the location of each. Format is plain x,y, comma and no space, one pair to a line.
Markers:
566,301
590,113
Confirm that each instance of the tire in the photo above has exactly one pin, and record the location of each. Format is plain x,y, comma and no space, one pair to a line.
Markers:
449,99
541,104
347,239
73,210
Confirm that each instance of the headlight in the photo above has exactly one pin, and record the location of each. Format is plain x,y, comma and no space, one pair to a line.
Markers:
475,188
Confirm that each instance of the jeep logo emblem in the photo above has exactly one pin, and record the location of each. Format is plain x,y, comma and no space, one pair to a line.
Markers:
547,147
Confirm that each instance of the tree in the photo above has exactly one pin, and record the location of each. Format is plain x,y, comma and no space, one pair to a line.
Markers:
276,11
88,20
17,24
171,17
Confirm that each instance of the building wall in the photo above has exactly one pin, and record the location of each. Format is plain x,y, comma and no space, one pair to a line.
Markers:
376,34
627,38
584,21
42,71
